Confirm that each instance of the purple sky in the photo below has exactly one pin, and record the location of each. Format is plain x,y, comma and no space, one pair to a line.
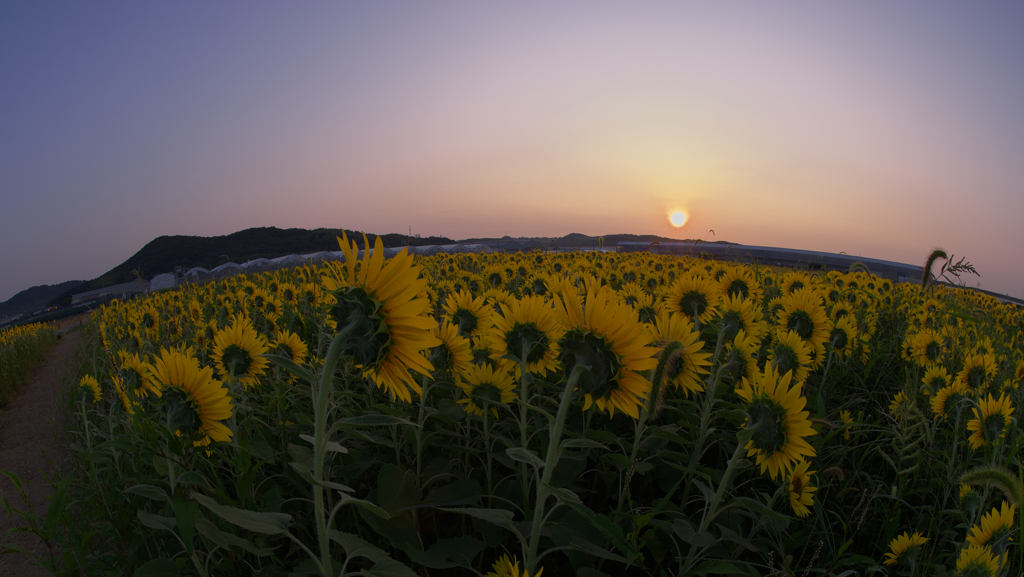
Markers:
876,128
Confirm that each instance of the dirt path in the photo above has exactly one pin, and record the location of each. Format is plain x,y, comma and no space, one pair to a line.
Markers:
27,441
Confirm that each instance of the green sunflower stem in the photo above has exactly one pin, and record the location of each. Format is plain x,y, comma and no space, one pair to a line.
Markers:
425,388
712,510
550,462
323,397
524,481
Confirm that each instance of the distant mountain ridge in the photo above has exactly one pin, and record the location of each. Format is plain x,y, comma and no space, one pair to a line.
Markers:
163,254
35,298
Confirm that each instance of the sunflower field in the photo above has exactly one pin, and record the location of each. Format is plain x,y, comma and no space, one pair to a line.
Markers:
21,349
590,414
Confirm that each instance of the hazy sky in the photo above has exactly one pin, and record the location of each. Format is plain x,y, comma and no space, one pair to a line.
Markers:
878,128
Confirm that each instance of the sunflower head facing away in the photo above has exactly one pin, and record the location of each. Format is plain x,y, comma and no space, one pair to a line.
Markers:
195,403
990,422
606,345
904,549
91,386
975,561
995,529
685,366
381,310
779,425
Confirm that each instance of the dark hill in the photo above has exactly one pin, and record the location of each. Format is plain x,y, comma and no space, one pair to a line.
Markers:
35,298
164,253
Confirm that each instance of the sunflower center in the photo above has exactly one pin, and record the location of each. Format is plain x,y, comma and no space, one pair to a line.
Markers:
694,302
236,359
647,314
368,338
993,427
732,322
931,350
785,359
839,339
482,357
539,288
598,364
485,394
529,336
441,359
800,322
766,419
285,350
466,321
181,411
495,279
739,288
975,377
735,365
630,300
798,484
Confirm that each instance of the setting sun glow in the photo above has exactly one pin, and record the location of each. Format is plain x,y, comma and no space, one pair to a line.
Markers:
677,218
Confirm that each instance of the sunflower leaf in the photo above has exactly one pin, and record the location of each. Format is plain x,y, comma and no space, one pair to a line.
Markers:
525,456
149,492
158,522
289,365
373,421
265,523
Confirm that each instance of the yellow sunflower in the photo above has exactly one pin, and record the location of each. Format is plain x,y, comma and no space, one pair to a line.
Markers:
926,348
695,297
801,493
995,529
946,396
289,345
934,379
380,307
506,567
804,314
238,351
528,325
607,342
470,315
977,561
977,371
741,314
122,394
688,363
194,400
843,337
848,423
90,384
898,403
453,356
790,354
992,419
904,549
138,375
741,357
738,282
486,387
775,415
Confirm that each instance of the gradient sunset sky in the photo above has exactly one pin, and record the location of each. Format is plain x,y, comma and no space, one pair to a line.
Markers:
882,129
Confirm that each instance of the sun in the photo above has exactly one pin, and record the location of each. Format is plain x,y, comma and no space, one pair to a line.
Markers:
678,218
